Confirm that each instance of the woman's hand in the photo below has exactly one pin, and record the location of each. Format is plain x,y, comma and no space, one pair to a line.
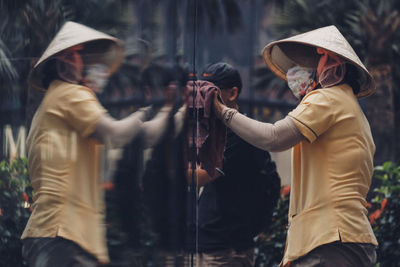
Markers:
170,94
201,176
218,106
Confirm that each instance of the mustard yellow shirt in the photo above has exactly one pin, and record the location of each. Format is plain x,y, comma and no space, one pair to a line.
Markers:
63,163
331,173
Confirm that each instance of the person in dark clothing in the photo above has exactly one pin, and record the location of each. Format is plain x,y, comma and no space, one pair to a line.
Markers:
236,206
150,183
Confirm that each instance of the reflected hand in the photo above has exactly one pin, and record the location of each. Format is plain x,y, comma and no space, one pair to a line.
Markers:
170,94
201,176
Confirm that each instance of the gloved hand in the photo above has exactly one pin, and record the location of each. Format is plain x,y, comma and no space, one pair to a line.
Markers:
218,106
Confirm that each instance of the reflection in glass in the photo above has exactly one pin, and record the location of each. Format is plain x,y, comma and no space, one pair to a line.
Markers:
150,205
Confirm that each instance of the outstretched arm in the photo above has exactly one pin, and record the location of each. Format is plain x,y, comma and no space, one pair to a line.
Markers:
154,129
118,133
279,136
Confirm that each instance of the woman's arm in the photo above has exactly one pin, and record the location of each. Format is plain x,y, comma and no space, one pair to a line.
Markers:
279,136
154,129
118,133
179,119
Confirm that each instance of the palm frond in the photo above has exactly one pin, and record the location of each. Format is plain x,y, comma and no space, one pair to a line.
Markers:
233,15
7,70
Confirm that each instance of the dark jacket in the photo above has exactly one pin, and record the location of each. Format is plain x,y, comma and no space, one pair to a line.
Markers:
236,207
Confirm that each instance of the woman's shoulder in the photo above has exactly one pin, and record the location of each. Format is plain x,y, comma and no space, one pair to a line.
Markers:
337,93
69,91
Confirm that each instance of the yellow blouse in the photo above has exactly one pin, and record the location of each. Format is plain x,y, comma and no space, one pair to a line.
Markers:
63,163
331,173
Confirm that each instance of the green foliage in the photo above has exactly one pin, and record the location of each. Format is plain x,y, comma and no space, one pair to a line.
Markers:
385,213
16,196
27,27
15,199
270,245
298,16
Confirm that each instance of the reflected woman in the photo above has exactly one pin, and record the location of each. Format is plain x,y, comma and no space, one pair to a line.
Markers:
66,227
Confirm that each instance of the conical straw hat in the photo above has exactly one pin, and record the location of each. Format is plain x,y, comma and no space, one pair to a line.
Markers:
71,34
300,50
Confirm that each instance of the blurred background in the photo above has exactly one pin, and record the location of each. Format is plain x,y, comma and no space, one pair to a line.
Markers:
186,35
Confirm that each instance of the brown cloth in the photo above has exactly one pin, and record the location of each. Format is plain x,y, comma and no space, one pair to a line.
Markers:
210,132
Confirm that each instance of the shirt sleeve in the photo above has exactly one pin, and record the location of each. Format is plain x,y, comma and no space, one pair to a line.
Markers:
82,110
314,115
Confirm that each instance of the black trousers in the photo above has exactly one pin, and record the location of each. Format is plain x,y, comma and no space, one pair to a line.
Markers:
60,252
339,254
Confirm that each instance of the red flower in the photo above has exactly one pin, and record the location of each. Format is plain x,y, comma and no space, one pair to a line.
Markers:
285,191
25,197
108,185
369,205
383,204
374,216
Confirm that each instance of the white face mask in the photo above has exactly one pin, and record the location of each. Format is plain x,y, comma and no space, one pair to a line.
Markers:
96,77
300,80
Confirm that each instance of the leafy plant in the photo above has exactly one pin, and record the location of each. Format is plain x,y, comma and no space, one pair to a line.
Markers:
15,200
270,245
385,213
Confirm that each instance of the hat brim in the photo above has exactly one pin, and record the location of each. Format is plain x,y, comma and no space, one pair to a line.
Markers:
281,55
72,34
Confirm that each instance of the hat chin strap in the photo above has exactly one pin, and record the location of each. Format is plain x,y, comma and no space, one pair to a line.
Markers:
331,68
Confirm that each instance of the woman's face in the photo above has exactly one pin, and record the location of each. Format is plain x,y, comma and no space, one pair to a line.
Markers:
300,80
96,77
